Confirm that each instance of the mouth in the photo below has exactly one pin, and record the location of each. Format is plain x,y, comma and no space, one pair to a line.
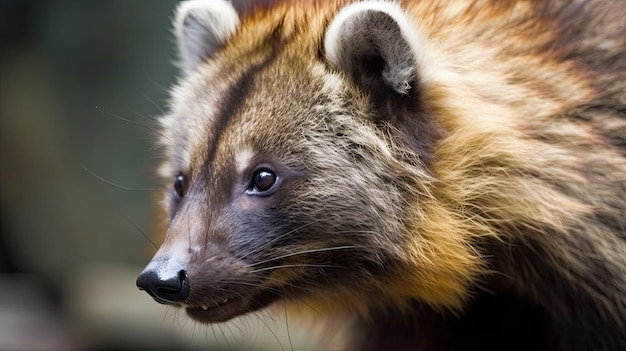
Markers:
218,311
224,309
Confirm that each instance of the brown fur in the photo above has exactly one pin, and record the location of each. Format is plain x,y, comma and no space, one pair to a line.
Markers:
485,209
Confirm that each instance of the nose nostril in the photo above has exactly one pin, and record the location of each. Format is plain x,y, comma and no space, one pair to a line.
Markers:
176,287
163,288
184,283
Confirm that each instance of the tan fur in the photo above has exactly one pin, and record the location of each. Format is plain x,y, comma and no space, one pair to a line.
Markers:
526,150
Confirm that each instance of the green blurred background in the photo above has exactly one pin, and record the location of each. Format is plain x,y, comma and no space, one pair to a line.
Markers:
80,85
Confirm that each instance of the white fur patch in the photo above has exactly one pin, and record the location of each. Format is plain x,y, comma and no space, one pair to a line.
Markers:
242,160
165,269
178,245
201,28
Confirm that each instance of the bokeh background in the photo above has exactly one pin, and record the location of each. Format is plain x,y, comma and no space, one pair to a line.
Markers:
81,83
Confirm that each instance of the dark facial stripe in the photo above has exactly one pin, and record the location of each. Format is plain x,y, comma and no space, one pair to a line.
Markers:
235,98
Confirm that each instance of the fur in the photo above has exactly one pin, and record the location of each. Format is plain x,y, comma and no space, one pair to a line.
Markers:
448,175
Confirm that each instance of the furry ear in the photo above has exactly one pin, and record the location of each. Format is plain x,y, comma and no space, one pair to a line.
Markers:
201,28
375,44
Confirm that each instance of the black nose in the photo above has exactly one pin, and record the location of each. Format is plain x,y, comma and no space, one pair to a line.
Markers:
164,287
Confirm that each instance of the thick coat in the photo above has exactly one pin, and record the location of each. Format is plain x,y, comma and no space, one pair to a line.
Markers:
452,173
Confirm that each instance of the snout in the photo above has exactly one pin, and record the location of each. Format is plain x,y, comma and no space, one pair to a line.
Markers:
165,281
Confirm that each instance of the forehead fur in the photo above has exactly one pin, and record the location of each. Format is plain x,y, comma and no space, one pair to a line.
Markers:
266,73
275,54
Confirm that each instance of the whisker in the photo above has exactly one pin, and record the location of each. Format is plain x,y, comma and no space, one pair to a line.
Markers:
240,282
154,130
242,333
157,84
236,281
193,331
214,334
112,183
188,231
368,232
141,231
305,252
278,238
294,266
206,238
221,328
271,331
287,325
153,103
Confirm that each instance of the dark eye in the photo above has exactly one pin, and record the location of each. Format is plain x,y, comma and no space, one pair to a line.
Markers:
179,185
263,180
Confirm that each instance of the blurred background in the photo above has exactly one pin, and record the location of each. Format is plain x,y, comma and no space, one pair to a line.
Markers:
80,85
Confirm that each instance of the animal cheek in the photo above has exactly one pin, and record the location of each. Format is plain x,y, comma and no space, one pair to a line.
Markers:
246,203
287,270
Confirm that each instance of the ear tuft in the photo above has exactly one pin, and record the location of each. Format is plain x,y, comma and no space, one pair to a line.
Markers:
202,28
378,47
374,43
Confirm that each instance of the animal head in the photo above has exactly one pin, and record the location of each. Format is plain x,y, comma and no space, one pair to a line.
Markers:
296,154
